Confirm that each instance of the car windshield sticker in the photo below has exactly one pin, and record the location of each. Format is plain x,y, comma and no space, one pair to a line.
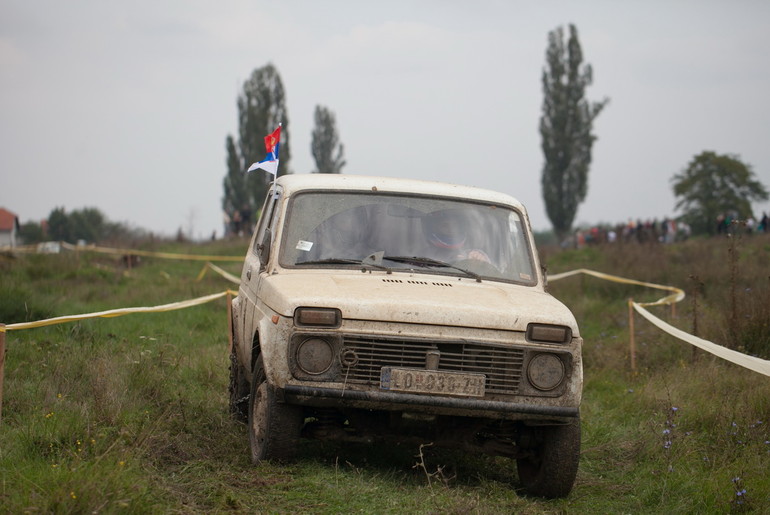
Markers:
513,222
304,245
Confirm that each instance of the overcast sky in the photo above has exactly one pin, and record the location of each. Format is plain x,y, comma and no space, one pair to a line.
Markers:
125,106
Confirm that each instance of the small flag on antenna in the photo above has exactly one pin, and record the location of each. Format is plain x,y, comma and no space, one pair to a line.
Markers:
270,163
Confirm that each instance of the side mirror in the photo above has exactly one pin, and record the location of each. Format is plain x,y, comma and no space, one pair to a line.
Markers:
263,249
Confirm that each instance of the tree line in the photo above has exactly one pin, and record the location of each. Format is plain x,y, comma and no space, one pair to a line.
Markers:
88,224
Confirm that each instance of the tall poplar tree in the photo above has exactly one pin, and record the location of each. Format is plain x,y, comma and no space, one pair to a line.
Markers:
327,150
565,129
236,194
261,108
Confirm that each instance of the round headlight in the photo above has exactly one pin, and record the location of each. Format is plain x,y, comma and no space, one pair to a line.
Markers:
545,371
314,356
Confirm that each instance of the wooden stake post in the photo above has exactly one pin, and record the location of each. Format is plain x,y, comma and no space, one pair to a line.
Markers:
631,339
229,323
2,367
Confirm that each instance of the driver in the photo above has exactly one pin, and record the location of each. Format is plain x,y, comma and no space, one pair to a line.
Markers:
447,233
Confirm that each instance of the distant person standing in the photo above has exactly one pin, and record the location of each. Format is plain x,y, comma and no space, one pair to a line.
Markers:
722,224
236,223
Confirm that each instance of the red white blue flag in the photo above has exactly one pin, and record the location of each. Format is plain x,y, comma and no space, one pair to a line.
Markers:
270,163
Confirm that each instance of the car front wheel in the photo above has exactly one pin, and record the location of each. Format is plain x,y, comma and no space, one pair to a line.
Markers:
274,427
551,469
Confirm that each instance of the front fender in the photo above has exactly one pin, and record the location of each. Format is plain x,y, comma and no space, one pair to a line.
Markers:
271,342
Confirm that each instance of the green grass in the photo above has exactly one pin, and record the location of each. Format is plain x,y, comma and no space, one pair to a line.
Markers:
129,414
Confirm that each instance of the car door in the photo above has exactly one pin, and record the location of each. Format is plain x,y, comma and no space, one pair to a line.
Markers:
257,258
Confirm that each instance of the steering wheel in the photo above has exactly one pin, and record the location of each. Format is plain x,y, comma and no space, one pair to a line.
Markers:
478,266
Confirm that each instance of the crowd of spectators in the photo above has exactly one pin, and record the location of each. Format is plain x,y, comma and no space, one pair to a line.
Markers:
726,223
664,231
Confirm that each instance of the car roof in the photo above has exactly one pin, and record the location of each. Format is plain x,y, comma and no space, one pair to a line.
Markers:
313,181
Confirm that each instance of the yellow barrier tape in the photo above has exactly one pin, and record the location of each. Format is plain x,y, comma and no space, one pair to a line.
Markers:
752,363
118,312
149,253
676,296
230,277
19,248
123,252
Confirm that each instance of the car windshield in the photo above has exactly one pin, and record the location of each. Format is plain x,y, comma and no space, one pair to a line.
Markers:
406,233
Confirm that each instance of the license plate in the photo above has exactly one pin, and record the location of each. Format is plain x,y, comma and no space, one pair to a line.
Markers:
416,380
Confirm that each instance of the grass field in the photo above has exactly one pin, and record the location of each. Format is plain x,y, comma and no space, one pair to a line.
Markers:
129,414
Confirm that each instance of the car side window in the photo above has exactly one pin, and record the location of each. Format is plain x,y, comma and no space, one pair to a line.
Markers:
267,219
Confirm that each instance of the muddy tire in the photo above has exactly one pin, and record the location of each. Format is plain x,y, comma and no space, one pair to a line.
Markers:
274,427
239,390
551,471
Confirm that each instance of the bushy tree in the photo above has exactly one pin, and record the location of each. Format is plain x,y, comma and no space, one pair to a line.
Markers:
327,150
565,129
59,225
715,185
88,224
261,108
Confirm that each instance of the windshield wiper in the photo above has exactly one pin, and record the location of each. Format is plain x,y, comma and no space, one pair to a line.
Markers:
345,261
429,262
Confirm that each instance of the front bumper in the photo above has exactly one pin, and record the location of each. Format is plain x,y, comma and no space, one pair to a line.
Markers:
428,404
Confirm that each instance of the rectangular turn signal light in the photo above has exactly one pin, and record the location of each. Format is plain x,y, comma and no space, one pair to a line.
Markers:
548,333
318,317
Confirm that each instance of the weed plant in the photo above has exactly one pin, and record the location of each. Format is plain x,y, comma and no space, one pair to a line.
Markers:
130,415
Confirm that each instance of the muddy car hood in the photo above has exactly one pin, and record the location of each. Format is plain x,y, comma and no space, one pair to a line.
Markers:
417,299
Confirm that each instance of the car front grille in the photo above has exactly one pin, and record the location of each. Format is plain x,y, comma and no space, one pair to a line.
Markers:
502,365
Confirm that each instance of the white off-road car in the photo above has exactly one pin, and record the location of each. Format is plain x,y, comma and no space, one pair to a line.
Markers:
372,309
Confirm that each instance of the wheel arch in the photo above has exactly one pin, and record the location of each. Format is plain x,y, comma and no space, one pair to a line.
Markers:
255,351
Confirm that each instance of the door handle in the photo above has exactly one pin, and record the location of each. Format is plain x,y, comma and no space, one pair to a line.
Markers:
248,274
